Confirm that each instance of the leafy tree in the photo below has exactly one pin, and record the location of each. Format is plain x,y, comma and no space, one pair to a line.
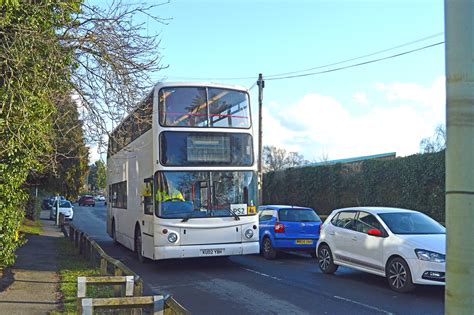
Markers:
66,165
101,174
33,69
277,159
97,175
48,51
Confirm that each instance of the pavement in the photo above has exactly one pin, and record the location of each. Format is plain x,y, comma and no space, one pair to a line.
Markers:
30,286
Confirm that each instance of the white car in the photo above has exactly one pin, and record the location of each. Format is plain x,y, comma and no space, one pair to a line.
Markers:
65,207
405,246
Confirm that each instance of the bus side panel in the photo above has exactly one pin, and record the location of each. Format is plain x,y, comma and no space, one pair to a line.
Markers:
109,216
143,150
117,169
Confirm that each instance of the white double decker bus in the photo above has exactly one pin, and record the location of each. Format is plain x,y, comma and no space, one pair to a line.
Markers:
182,174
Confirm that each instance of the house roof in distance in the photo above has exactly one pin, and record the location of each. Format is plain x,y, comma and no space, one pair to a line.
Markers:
355,159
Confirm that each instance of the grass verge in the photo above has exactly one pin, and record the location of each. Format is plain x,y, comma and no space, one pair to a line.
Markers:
71,266
31,227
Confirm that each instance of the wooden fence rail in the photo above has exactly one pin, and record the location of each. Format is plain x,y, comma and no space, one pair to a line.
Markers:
82,283
155,303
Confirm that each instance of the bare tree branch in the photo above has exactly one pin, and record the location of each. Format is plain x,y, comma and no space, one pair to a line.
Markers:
114,58
276,159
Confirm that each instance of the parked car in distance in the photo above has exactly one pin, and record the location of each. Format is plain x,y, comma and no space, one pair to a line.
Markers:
287,228
86,201
405,246
46,204
65,207
99,198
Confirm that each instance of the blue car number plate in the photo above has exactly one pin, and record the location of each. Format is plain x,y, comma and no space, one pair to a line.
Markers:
305,242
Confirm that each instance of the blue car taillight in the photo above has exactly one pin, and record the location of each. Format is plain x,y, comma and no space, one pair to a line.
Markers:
279,227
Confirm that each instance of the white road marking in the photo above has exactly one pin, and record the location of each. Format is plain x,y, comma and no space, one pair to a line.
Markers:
248,300
262,274
161,288
363,304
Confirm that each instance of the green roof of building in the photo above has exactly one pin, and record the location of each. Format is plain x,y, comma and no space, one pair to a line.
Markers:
354,159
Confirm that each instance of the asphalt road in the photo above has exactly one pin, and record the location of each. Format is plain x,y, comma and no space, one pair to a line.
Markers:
292,284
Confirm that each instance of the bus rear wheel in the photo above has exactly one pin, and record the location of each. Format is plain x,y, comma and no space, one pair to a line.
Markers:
114,232
138,245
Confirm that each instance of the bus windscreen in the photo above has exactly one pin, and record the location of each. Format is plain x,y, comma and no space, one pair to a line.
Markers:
204,107
200,194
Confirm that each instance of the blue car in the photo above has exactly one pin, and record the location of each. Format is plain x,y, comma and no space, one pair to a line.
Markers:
288,228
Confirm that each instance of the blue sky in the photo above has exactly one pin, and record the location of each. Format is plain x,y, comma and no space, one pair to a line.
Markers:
388,106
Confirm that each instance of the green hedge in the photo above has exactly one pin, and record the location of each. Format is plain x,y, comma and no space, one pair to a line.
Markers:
414,182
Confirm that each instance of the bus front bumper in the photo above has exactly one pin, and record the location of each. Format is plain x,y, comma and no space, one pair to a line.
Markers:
214,250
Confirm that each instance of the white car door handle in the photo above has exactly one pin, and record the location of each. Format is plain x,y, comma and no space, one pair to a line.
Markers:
331,233
354,238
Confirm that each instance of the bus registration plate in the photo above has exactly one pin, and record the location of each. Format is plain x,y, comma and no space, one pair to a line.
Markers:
212,251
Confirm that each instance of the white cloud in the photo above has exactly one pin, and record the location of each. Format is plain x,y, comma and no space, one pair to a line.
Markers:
94,155
432,99
361,98
317,125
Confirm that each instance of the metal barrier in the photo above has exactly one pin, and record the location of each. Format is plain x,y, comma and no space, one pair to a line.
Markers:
89,249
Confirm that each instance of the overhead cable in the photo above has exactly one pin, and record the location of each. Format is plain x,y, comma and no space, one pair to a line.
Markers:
360,57
317,67
354,65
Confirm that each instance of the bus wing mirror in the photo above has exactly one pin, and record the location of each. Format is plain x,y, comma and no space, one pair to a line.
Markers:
148,180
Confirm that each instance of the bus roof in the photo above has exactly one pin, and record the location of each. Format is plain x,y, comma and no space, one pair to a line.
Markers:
201,84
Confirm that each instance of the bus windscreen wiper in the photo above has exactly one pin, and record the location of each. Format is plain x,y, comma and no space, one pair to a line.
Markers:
236,217
187,217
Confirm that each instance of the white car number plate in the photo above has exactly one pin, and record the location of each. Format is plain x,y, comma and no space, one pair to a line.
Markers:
212,251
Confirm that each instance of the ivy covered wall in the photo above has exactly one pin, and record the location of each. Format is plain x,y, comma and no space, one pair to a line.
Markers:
414,182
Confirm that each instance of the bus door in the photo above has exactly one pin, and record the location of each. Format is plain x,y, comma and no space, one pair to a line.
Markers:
147,218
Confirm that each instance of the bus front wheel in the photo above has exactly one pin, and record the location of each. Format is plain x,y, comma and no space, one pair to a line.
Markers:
138,245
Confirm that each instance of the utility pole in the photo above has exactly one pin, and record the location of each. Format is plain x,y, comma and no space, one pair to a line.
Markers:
459,293
261,85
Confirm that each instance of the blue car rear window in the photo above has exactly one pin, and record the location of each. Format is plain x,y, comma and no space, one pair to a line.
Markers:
298,215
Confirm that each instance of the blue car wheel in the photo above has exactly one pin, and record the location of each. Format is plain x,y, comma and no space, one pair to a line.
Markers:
268,251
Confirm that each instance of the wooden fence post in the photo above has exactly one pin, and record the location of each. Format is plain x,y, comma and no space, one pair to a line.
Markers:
81,243
117,288
93,256
86,247
76,238
103,266
71,233
138,290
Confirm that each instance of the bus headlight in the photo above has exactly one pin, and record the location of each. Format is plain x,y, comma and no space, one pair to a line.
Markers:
248,233
172,237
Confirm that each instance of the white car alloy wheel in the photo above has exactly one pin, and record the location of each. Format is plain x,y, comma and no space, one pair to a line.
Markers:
326,264
398,275
324,259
